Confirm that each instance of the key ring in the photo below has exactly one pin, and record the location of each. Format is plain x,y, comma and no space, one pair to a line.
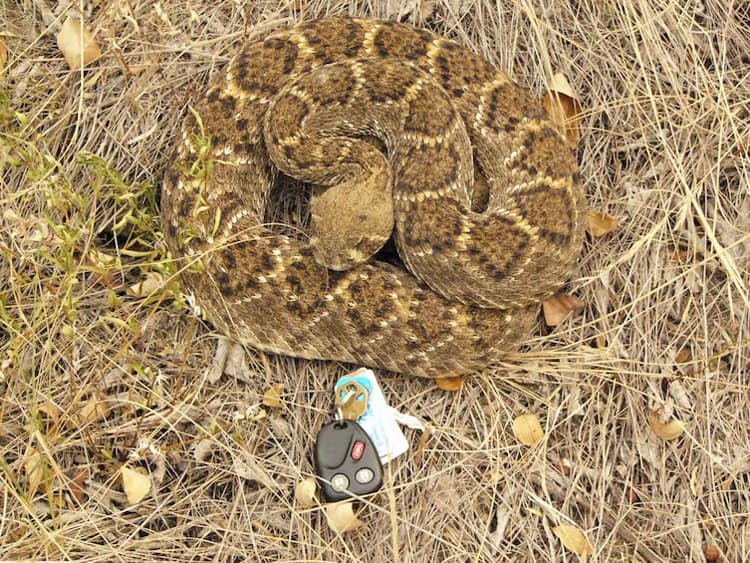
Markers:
339,416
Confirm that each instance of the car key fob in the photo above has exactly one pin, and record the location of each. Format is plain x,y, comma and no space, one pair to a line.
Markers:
346,461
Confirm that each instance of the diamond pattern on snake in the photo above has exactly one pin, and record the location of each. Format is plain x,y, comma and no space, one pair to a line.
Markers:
405,134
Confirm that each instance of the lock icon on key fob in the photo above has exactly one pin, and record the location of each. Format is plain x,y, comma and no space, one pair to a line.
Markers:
346,461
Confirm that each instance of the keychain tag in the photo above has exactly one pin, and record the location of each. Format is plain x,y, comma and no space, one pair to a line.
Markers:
369,408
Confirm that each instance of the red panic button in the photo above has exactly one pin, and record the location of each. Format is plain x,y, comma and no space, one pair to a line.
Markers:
358,449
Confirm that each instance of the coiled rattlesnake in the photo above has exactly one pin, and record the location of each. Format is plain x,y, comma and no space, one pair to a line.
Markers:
310,100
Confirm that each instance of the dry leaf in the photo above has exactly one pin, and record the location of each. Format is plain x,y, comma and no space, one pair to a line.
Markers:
742,149
246,466
3,54
396,8
682,256
94,410
272,397
101,259
633,496
557,308
236,364
12,535
418,9
528,430
305,492
665,430
574,540
341,517
449,383
419,452
564,108
77,44
135,484
600,223
425,8
683,356
203,449
152,282
35,467
76,486
223,346
10,215
712,553
51,410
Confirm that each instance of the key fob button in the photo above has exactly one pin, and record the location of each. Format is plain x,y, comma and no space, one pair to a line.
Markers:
339,482
357,450
364,475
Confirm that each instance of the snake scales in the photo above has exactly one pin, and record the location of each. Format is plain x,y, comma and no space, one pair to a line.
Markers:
394,123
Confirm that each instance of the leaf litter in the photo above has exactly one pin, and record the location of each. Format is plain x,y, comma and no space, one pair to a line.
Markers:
665,156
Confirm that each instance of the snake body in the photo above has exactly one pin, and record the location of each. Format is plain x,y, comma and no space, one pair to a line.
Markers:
395,123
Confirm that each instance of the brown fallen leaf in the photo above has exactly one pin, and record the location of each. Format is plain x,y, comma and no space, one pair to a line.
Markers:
574,540
600,223
51,410
682,256
3,54
564,108
712,553
665,430
151,283
683,356
557,308
77,44
305,492
424,438
449,383
272,397
35,467
528,430
12,535
341,517
633,497
94,410
135,484
76,486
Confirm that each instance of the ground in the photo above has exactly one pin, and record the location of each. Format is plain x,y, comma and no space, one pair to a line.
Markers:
98,372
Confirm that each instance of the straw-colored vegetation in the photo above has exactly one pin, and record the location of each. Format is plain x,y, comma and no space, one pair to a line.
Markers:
642,399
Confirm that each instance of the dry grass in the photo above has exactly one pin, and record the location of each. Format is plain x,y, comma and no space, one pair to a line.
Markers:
665,148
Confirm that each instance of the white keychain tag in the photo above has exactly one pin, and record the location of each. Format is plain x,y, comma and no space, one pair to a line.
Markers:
366,404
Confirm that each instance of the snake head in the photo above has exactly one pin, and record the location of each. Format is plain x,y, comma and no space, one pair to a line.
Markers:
348,227
340,252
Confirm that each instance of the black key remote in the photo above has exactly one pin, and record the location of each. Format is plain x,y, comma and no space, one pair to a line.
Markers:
346,461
